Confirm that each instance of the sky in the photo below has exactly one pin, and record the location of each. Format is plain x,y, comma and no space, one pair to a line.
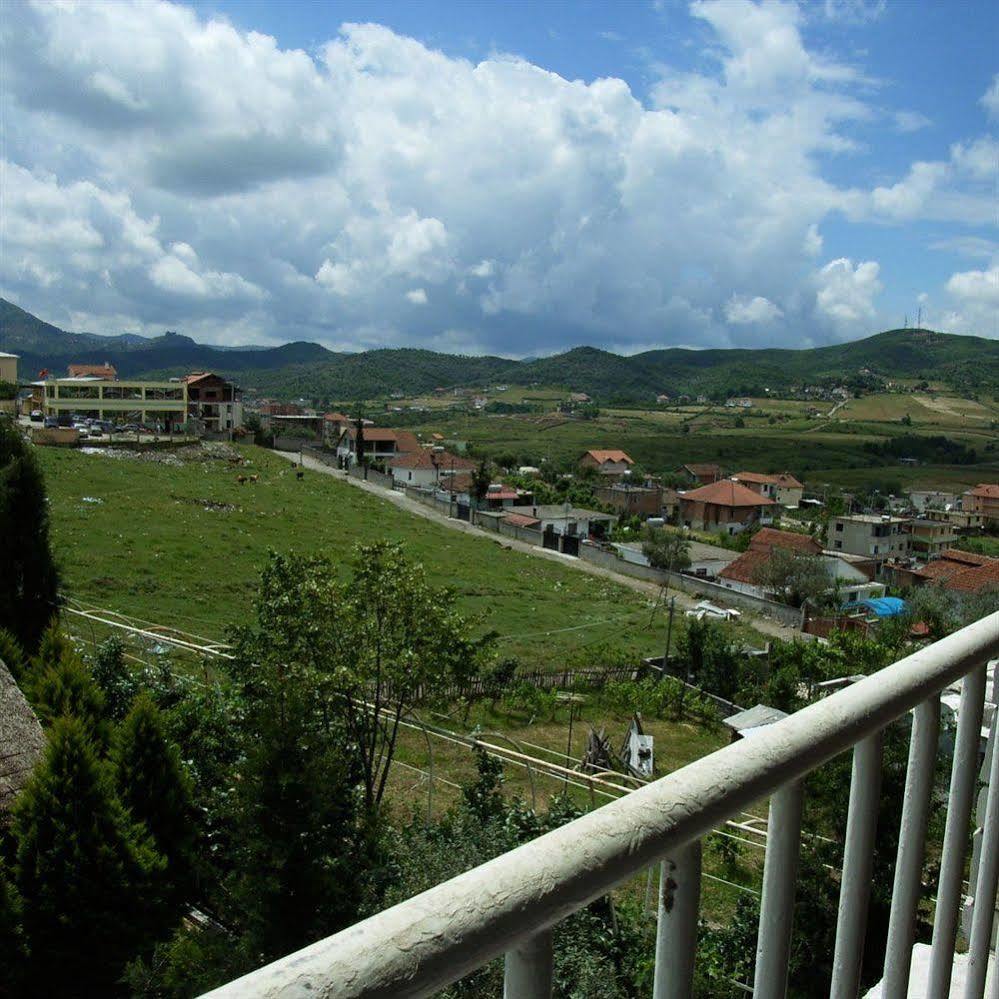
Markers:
507,178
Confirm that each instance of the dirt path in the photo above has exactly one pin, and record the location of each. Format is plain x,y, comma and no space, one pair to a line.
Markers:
684,601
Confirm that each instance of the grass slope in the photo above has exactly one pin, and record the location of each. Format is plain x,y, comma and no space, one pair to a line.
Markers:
183,546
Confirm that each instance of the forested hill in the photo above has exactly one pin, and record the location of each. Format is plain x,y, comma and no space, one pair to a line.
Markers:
302,369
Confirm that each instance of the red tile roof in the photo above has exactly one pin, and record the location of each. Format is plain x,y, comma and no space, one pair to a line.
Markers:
769,537
726,493
703,469
404,439
789,481
337,418
521,520
460,482
602,456
425,458
755,477
92,371
962,571
985,490
746,567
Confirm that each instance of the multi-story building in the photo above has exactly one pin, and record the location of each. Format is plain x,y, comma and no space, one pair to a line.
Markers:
983,500
151,403
215,403
930,537
878,537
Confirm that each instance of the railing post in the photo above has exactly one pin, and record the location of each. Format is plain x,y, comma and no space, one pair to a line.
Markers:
676,931
963,776
780,871
858,862
528,968
911,846
985,887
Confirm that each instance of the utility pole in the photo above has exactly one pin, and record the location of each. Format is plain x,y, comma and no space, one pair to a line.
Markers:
669,633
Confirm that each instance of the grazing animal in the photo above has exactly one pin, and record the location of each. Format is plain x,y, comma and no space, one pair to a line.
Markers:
299,474
253,478
241,479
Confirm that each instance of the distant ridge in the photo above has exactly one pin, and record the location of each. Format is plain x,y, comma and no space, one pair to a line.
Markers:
966,363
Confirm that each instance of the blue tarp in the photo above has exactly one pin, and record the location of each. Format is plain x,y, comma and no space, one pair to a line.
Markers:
884,606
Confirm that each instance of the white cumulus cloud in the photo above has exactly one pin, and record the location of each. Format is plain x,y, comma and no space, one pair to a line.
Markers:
751,310
845,293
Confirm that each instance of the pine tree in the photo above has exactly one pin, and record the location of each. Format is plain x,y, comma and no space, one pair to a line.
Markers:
11,653
66,688
83,870
111,673
29,581
12,953
154,787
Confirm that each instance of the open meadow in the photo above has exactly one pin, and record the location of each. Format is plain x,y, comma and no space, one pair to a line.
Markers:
181,542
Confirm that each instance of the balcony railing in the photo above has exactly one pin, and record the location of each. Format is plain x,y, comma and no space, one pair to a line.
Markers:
509,905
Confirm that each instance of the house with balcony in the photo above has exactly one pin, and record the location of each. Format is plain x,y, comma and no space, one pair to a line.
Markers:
214,404
983,500
725,506
879,537
930,537
379,444
783,489
154,404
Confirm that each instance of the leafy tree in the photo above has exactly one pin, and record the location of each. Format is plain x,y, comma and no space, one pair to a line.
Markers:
793,577
29,582
368,648
481,479
711,664
153,785
66,688
112,674
362,458
83,869
666,550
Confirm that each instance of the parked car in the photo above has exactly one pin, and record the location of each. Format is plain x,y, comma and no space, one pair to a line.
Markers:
51,422
37,416
707,609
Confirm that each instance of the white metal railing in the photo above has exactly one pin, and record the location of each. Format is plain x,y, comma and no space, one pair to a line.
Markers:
510,904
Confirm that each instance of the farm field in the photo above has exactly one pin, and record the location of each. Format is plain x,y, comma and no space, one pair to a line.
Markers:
182,545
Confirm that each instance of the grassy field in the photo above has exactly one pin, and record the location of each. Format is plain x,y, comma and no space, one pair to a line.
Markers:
182,544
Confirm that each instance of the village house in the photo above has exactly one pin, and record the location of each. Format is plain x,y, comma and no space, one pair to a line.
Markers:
608,463
8,367
725,506
983,500
564,519
784,489
631,500
961,521
878,537
927,499
106,371
213,401
334,424
742,403
380,444
930,537
961,572
701,474
425,466
743,574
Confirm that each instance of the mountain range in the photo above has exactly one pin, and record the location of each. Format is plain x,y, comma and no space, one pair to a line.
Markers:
308,370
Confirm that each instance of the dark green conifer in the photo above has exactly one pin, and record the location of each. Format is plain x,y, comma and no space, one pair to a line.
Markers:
29,581
84,869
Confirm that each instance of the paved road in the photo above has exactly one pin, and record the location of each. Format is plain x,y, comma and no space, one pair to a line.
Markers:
684,601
